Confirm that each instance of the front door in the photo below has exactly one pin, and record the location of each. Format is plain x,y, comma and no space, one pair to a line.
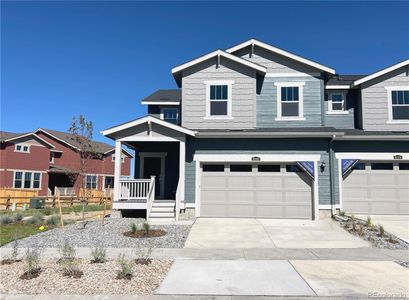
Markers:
152,166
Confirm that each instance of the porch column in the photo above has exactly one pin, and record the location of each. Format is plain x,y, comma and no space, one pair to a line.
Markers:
117,171
181,187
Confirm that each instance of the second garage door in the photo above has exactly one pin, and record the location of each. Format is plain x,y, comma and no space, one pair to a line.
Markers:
378,188
255,190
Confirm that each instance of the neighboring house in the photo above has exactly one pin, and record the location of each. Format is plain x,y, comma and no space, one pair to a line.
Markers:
45,159
256,131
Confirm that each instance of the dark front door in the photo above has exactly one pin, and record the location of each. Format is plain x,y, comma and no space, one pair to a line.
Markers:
152,167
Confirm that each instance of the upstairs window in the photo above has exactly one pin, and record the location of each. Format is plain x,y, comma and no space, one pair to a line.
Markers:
336,102
51,157
22,148
218,102
122,158
399,110
290,101
170,115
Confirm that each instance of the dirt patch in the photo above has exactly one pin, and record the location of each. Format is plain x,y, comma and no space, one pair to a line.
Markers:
30,275
75,274
9,261
144,234
127,276
143,261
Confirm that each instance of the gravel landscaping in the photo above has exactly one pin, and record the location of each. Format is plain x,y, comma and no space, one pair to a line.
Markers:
111,235
371,233
97,279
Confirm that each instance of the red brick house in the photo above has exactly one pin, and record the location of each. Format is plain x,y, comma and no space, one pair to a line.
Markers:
46,159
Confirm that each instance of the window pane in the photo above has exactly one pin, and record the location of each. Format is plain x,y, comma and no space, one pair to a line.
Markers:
18,179
400,112
218,92
240,168
18,147
406,97
36,181
224,92
109,182
295,92
213,168
290,93
337,106
19,175
404,166
27,180
337,98
394,97
268,168
171,115
289,109
359,166
382,166
293,168
283,94
218,108
25,148
212,92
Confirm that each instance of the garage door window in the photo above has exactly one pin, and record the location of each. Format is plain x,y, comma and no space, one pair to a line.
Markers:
382,166
240,168
268,168
293,168
359,166
213,168
404,166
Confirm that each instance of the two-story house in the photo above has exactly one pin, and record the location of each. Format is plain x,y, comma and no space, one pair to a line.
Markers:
45,159
257,131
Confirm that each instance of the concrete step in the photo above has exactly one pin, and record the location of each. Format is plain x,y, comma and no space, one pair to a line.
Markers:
163,209
162,215
163,204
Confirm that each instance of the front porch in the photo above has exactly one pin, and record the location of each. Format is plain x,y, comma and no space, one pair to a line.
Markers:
158,186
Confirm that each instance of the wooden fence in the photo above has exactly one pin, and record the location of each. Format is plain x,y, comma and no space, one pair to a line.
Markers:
22,197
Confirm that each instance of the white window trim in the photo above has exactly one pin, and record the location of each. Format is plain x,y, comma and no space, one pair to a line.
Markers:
162,113
96,181
330,111
31,181
22,146
104,181
229,84
389,89
122,158
300,86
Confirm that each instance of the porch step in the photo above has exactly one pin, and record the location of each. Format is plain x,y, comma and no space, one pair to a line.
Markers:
163,203
163,209
162,214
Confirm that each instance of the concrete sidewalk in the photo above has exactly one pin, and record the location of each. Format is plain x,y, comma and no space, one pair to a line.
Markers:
354,254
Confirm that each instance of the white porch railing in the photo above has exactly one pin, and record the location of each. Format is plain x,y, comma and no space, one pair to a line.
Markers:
64,191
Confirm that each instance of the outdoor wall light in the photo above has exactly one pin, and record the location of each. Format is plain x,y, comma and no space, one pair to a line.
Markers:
323,165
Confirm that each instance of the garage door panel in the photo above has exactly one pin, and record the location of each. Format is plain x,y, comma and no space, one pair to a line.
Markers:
376,191
265,194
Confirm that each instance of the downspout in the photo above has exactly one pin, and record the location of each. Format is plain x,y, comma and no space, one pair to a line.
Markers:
331,175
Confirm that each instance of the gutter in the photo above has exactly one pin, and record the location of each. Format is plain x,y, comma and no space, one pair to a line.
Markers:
229,134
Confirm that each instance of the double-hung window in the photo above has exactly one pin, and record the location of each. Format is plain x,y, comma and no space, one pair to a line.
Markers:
91,181
171,115
218,99
290,101
336,102
399,104
27,180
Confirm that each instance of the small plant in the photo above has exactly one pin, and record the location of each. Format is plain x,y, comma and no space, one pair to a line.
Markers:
143,255
134,227
381,231
18,217
36,219
14,251
125,267
68,262
361,230
6,219
32,262
98,254
146,227
353,220
342,213
53,220
369,222
47,211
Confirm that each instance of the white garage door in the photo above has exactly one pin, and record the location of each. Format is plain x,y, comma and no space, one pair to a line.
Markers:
255,190
377,188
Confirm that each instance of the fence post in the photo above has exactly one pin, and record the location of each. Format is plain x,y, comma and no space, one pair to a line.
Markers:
59,204
8,202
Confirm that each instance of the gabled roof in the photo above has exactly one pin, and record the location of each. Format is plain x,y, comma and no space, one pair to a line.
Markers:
221,53
11,136
281,52
146,119
164,97
68,139
381,72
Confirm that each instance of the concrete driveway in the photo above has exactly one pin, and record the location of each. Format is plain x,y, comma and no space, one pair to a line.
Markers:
223,233
397,225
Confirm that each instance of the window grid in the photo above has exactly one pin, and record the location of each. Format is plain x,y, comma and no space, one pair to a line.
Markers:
400,104
219,100
27,180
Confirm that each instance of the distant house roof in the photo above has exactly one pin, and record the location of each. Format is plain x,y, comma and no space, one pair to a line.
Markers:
381,72
344,79
164,97
6,136
67,138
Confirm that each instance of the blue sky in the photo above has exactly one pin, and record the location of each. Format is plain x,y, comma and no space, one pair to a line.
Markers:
100,58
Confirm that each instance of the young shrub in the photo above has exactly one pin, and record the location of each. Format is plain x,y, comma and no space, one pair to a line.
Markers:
18,217
14,251
47,211
361,231
98,254
381,231
353,221
32,264
36,219
143,255
125,267
134,227
369,222
68,262
146,227
6,219
53,220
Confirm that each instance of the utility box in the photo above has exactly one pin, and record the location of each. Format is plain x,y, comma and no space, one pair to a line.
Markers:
37,203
